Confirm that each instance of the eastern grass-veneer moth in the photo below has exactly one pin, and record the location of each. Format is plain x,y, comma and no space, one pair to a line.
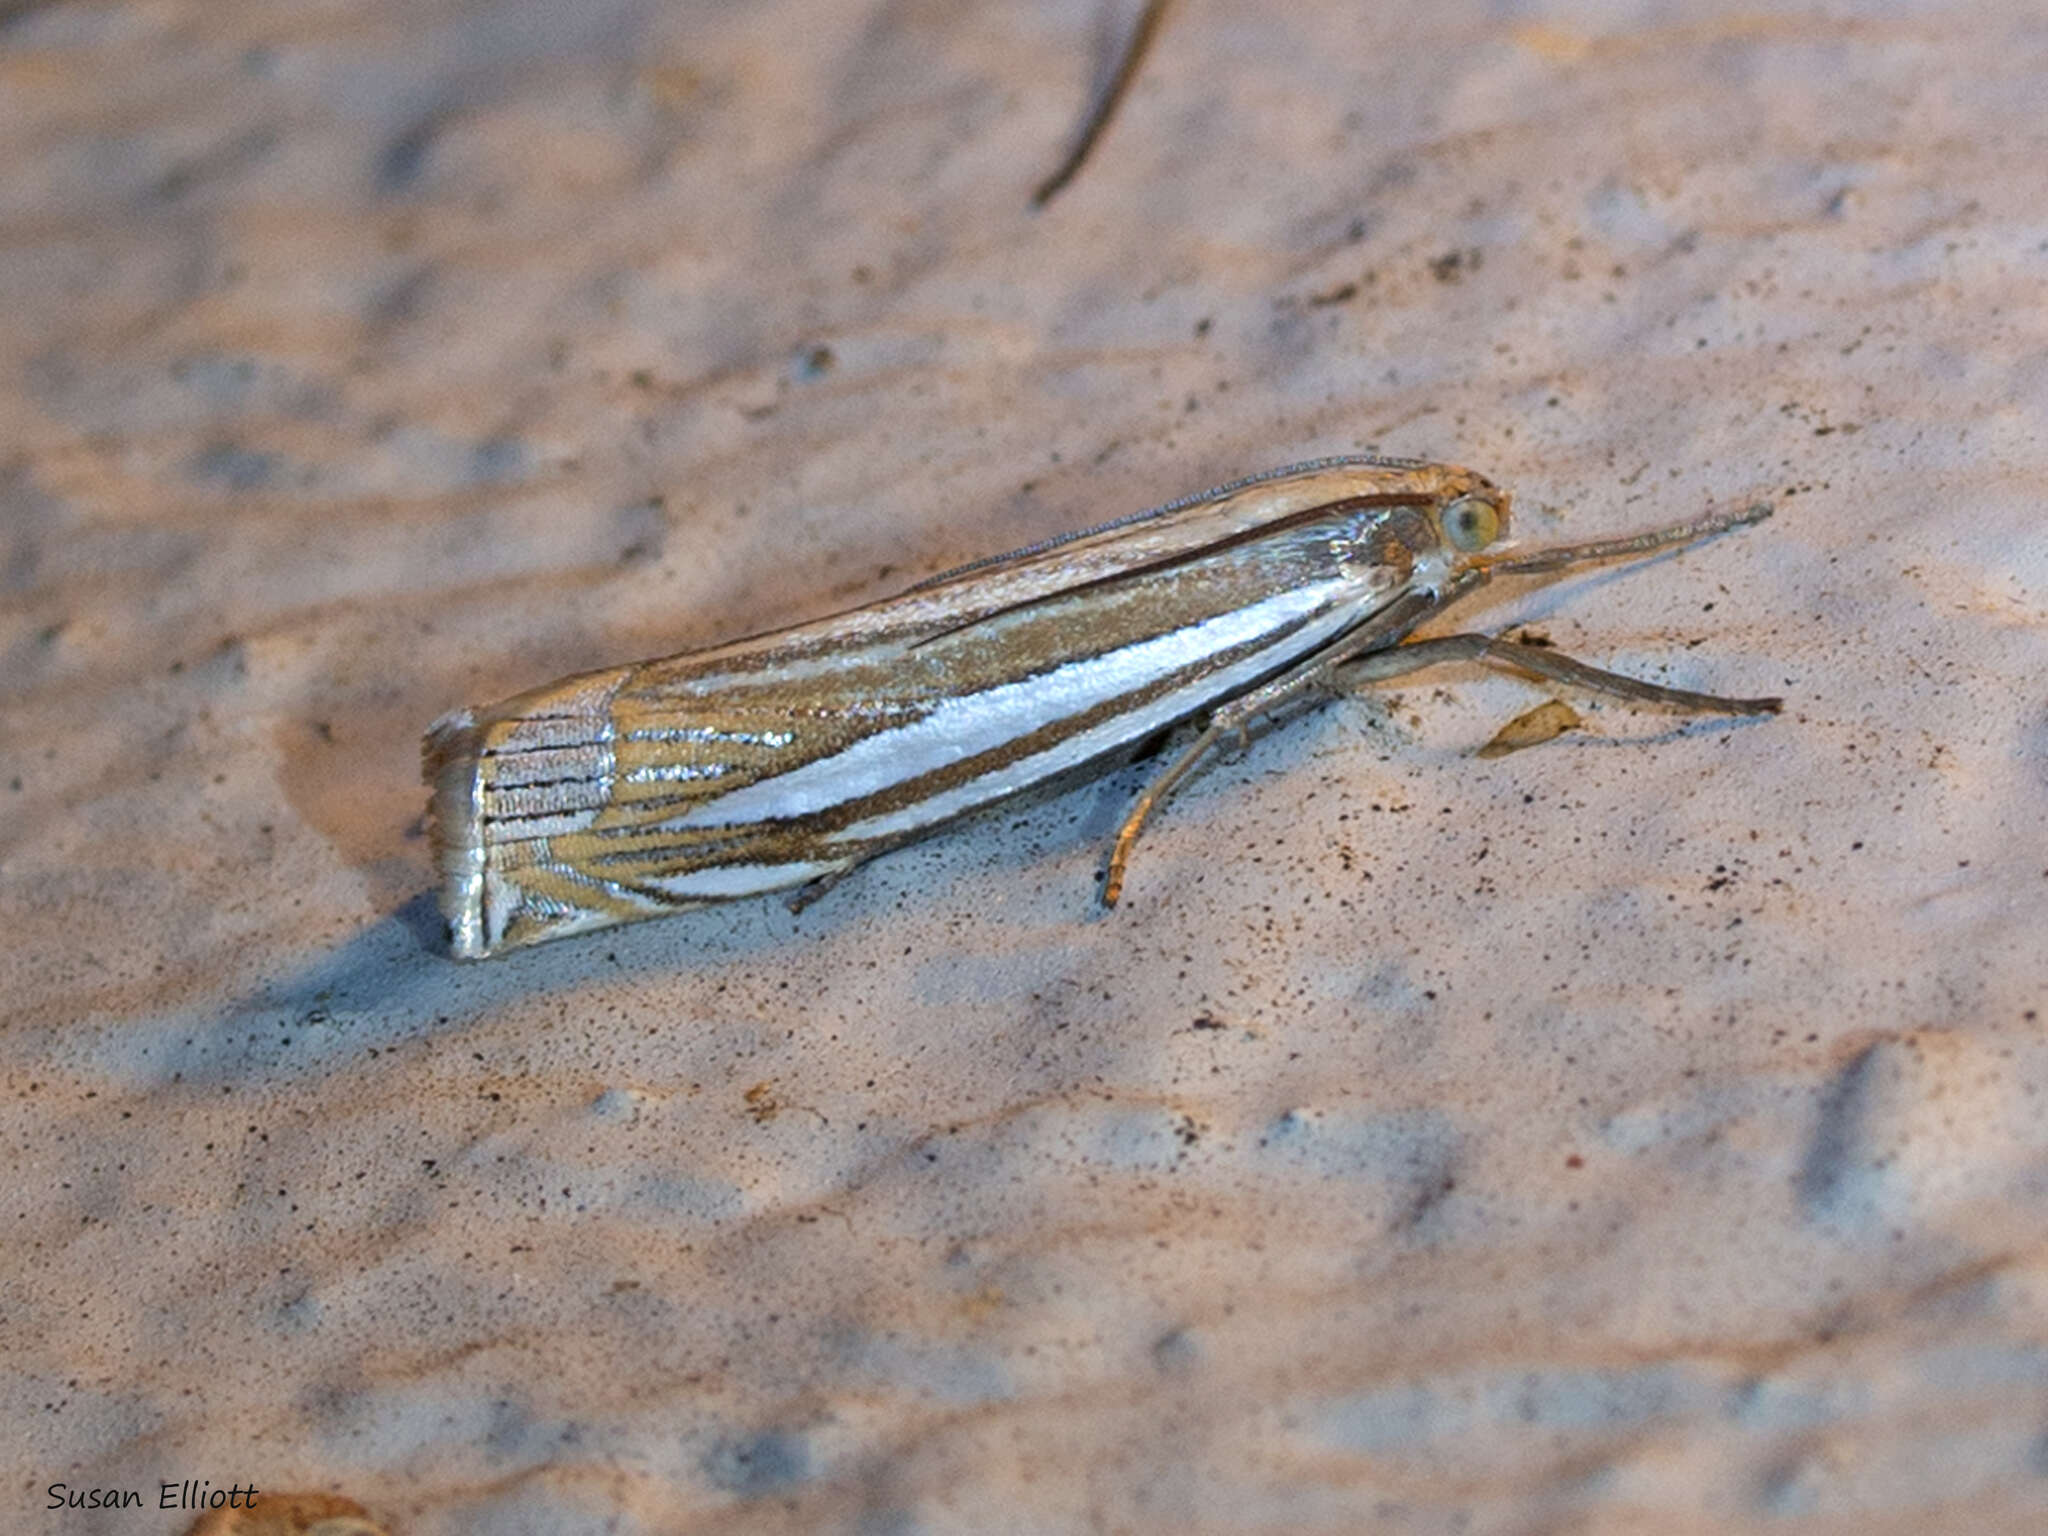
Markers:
787,759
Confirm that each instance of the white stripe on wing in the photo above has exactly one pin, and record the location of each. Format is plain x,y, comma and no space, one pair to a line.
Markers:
981,722
1080,747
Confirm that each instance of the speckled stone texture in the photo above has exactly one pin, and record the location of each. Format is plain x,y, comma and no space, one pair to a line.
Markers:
1644,1132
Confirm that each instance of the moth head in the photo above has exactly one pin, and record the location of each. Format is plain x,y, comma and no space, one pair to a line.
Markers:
1475,518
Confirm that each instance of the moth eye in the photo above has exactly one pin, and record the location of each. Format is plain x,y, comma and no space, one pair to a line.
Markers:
1471,523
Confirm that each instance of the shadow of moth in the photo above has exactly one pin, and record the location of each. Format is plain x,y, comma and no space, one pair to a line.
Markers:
787,759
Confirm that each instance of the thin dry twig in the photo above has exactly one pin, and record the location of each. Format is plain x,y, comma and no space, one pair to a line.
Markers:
1106,102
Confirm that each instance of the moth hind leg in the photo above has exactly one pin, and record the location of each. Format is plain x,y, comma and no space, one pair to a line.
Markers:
813,888
1513,656
1352,665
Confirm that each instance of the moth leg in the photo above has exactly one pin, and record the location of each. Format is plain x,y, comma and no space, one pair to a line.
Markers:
813,888
1232,719
1513,656
817,886
1127,834
1312,674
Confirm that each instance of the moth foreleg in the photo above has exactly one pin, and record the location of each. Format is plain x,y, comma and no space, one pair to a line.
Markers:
1512,656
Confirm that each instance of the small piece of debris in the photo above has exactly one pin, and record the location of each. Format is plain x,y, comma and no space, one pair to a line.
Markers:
1546,722
291,1514
1453,265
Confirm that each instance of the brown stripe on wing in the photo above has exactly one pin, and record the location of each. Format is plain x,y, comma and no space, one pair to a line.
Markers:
1151,570
631,856
882,686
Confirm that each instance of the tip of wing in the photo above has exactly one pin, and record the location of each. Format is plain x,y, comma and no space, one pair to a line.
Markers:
448,763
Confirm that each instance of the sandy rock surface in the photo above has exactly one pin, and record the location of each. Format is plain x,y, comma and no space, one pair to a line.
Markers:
1643,1131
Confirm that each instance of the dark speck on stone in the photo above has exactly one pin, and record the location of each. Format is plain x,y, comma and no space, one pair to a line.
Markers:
1175,1350
1836,1150
223,381
239,469
399,166
497,459
772,1460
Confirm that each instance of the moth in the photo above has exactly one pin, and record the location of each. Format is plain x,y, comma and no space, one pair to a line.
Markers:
787,759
